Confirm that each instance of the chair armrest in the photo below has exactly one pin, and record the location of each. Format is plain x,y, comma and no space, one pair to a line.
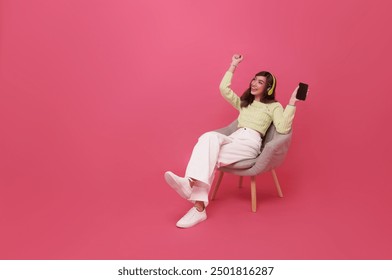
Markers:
272,156
227,130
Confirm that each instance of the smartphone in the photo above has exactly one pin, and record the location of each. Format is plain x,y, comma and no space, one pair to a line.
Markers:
302,91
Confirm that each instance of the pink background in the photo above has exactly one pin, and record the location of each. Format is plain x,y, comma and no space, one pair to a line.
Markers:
99,98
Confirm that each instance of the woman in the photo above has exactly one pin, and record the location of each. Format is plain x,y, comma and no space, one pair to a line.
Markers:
257,110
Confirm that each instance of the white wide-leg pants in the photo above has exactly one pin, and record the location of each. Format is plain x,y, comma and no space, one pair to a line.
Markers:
213,150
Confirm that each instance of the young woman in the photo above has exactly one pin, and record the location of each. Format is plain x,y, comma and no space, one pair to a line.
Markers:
257,110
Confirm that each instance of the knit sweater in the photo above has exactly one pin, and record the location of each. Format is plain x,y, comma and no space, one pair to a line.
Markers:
258,115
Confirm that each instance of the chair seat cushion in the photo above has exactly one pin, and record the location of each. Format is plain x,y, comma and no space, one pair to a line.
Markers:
243,164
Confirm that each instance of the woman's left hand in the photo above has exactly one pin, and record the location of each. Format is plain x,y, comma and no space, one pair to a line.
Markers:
293,97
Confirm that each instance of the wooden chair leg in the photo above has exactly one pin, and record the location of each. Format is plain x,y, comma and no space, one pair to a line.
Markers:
253,192
240,183
217,185
277,183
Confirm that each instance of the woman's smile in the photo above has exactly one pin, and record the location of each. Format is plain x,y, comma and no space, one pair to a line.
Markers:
258,85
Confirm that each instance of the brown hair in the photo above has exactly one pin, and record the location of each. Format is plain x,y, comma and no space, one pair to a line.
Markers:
247,98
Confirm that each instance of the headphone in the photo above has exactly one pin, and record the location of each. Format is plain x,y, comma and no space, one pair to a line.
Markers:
271,90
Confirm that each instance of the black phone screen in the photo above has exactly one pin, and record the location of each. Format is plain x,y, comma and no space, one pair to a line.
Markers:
302,91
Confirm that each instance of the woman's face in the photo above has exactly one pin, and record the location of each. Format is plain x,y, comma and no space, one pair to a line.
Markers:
258,85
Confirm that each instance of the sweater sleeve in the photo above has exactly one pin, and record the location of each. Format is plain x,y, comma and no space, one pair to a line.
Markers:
283,118
227,92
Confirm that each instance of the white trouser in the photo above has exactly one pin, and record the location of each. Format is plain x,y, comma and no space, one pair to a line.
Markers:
213,150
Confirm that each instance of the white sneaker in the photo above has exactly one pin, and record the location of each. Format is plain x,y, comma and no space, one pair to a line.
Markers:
179,184
192,218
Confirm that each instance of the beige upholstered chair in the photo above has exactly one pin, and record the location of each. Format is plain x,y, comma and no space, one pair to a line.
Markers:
274,150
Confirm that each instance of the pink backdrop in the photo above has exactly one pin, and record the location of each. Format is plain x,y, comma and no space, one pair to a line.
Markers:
99,98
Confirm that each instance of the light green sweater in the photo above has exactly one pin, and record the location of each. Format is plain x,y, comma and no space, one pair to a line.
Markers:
258,115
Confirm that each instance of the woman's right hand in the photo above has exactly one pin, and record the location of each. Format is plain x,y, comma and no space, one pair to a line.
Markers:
236,59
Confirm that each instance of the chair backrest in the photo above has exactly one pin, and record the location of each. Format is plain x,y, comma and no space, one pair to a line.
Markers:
227,130
269,135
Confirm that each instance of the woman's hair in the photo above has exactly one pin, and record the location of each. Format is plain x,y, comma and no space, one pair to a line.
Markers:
247,98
